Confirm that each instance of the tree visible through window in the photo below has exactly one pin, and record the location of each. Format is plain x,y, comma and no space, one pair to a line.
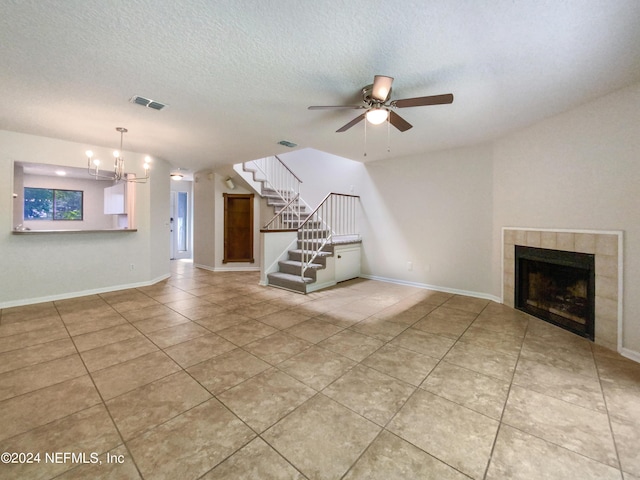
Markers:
52,204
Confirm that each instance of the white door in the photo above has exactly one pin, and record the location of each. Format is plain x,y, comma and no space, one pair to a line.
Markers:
179,223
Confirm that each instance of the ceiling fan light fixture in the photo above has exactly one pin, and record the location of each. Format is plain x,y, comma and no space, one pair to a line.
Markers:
381,87
376,116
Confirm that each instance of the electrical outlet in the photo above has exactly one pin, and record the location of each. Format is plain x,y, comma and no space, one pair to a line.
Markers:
132,266
410,266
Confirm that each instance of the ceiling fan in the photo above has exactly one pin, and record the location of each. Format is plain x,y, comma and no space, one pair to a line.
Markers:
376,101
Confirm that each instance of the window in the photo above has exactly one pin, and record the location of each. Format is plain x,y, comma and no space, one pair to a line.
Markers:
52,204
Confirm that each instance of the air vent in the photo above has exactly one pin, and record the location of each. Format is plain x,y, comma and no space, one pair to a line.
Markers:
156,105
147,102
287,143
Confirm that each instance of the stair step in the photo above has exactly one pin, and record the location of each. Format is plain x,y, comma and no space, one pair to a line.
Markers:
294,267
296,223
278,204
298,264
314,234
321,258
270,192
288,281
276,195
314,245
290,216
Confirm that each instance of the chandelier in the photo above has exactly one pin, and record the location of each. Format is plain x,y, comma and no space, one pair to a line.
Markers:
118,174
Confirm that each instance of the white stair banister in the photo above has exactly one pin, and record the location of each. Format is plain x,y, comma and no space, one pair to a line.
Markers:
276,177
333,219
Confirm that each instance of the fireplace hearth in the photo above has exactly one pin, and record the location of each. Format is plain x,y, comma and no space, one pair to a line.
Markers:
556,286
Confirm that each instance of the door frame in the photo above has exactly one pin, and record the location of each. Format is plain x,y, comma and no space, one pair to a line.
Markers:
249,197
175,254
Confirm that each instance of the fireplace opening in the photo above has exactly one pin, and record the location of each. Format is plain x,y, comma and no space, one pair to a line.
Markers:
556,286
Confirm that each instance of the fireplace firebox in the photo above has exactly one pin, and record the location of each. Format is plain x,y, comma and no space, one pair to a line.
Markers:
556,286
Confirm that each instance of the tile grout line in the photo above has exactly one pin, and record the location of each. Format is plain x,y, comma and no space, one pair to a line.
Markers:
104,404
604,399
504,407
360,362
502,423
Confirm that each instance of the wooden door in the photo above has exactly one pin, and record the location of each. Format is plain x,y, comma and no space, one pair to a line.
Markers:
238,228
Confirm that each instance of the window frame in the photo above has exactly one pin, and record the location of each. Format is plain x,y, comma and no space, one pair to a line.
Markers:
53,210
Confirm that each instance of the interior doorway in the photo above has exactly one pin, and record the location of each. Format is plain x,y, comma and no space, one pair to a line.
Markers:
180,225
238,228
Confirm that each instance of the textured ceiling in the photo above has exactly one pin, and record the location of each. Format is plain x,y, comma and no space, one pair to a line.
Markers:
238,75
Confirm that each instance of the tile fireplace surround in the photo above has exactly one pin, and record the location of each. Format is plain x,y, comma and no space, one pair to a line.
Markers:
607,248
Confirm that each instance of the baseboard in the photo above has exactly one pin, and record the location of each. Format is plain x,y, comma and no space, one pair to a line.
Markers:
81,293
227,269
630,354
314,287
236,269
436,288
204,267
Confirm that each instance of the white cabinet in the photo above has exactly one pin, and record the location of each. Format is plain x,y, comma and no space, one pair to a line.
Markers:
115,199
347,261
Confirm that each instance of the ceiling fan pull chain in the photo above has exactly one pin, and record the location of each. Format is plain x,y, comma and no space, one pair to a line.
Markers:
365,139
388,135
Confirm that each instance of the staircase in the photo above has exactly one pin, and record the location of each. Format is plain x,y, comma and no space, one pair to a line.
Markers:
315,233
289,274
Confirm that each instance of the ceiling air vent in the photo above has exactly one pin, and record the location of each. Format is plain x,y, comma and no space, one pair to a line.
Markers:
147,102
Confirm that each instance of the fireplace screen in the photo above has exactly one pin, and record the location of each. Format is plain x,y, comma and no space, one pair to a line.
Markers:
556,286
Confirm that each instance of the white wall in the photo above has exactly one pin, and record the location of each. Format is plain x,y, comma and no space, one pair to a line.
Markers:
204,229
47,266
434,211
578,170
159,215
322,173
208,244
222,188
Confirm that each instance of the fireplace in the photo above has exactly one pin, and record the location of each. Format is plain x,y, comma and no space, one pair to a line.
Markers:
556,286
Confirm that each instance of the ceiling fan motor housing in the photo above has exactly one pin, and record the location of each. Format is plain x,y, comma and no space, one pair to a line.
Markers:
368,98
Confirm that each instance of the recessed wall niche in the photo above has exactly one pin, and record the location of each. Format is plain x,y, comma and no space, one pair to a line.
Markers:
104,206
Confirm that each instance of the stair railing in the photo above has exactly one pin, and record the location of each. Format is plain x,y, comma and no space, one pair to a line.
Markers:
281,220
276,176
335,217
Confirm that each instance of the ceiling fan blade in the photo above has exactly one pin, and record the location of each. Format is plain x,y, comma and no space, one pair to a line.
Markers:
346,127
329,107
399,122
421,101
381,87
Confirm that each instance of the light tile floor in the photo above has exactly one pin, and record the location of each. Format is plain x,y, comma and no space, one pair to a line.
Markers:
208,375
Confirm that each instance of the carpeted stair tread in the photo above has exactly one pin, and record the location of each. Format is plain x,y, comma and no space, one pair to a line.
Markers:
311,252
290,278
288,281
295,263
